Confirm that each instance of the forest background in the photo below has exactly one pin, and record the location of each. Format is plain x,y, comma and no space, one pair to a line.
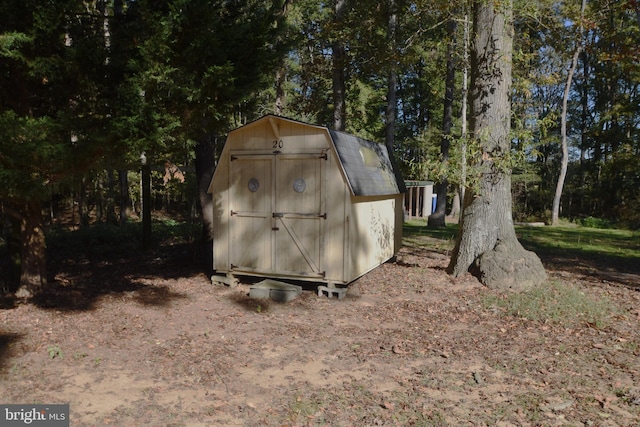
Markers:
104,101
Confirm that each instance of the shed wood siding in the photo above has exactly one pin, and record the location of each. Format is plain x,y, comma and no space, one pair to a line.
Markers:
372,233
286,203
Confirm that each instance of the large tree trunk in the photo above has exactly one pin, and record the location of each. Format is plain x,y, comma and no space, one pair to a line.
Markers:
437,219
487,245
33,254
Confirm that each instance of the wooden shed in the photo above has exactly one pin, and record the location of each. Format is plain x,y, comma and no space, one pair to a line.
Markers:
298,201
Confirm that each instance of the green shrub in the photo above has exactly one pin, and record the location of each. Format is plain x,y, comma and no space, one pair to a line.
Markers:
96,239
592,222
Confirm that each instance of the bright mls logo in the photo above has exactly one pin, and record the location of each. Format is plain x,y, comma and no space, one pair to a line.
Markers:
34,415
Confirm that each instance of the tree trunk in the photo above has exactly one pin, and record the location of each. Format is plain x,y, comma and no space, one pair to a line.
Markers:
281,77
390,122
111,202
437,219
125,206
555,211
584,137
392,90
487,245
338,56
455,205
463,119
279,104
145,183
33,254
83,205
205,166
390,113
13,238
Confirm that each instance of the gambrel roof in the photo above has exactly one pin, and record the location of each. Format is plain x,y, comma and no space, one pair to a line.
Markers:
367,165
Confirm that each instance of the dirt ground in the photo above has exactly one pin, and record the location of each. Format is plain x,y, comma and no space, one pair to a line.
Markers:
146,339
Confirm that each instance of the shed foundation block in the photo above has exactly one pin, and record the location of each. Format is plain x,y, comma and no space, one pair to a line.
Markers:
228,280
330,292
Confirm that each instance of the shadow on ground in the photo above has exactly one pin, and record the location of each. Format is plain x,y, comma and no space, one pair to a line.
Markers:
78,281
6,341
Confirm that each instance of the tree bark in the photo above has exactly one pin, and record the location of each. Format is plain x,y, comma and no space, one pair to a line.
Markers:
125,207
463,119
437,219
205,166
111,203
145,183
83,205
33,253
487,245
390,112
338,78
455,205
555,211
13,238
279,104
584,137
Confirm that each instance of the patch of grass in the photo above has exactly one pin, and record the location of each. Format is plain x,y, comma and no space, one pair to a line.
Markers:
570,238
409,409
528,404
416,233
583,240
302,409
565,245
555,302
361,404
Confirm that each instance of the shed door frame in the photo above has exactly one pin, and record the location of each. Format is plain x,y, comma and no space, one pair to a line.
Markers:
287,226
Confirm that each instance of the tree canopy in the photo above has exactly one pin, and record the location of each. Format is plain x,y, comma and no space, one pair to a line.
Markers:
87,87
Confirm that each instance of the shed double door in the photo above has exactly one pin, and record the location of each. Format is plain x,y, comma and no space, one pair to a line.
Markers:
277,213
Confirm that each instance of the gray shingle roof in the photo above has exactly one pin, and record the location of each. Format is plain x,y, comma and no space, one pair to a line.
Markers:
368,166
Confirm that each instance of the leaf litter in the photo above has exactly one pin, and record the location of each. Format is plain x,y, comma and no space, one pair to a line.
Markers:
148,342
